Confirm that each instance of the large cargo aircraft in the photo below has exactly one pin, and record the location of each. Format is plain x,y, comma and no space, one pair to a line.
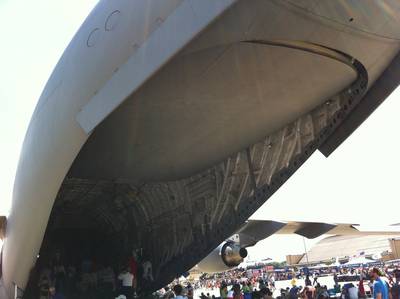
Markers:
167,123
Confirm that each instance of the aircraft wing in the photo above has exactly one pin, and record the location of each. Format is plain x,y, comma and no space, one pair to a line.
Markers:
256,230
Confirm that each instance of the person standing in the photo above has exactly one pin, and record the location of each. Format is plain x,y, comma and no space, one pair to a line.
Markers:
294,292
395,289
266,293
307,281
272,281
237,293
169,294
308,292
178,290
361,289
315,282
380,287
44,286
293,282
335,278
133,265
189,291
127,280
223,291
353,292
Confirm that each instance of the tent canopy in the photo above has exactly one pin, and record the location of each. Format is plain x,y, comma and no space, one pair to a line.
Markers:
359,261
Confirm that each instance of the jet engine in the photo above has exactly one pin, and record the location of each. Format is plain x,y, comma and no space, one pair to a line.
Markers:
226,256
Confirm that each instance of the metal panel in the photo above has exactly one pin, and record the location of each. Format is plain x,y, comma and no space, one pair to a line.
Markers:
162,45
256,230
314,229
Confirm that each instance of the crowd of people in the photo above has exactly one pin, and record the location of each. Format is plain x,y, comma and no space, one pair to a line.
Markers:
91,280
372,282
88,279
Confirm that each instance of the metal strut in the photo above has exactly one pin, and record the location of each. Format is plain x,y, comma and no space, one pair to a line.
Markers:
251,169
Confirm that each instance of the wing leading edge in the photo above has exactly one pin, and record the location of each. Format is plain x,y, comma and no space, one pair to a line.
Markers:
256,230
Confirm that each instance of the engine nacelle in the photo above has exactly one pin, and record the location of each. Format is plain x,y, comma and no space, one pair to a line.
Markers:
226,256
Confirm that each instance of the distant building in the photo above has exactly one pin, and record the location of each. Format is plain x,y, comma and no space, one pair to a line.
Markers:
395,247
294,259
345,247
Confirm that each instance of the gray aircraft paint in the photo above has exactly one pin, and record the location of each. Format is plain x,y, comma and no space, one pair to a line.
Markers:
94,79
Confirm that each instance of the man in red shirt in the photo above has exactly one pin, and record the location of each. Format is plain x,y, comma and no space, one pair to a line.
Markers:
133,266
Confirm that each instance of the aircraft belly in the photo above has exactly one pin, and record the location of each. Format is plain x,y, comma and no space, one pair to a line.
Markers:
206,106
228,94
280,20
216,110
379,18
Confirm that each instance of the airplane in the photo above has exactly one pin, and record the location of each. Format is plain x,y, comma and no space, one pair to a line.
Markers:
167,123
231,253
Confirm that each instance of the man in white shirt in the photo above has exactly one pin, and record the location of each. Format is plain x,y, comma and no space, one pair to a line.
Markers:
353,292
127,280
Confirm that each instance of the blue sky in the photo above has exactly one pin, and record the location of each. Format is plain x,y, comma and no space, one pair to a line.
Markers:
359,182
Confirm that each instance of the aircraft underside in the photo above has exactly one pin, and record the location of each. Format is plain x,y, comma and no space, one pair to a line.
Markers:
193,152
177,223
